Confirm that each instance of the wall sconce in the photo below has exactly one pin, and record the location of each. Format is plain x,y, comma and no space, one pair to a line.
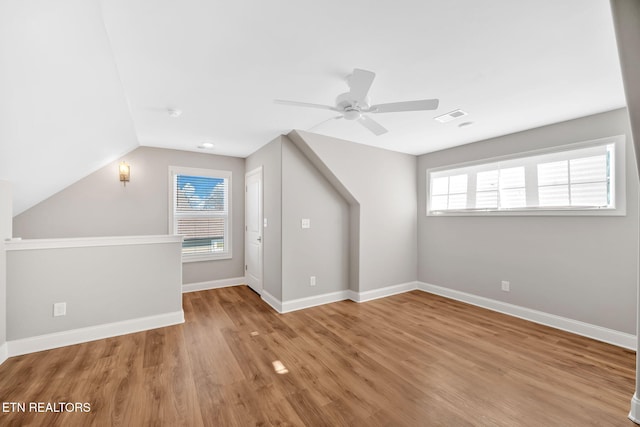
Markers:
125,173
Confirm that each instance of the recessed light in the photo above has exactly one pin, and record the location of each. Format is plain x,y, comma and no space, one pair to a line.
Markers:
174,112
463,124
451,115
205,145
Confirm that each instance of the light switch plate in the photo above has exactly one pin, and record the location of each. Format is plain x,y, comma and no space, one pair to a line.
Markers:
306,223
59,309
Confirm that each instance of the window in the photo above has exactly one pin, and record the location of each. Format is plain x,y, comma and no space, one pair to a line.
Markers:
577,179
200,211
450,192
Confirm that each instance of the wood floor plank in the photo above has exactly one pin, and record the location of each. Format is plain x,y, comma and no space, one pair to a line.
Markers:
406,360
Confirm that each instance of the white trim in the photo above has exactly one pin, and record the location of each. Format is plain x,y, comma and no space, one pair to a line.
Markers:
274,302
312,301
4,353
618,192
246,283
17,244
212,173
382,292
206,257
620,339
634,413
92,333
212,284
599,333
307,302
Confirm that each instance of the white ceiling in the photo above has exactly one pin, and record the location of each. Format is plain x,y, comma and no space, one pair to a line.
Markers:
512,65
84,81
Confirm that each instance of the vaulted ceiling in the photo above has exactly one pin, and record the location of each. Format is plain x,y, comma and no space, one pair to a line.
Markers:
84,81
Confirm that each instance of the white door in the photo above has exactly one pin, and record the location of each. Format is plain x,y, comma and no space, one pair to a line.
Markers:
253,229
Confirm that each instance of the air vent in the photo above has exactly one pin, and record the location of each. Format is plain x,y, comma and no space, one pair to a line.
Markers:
451,115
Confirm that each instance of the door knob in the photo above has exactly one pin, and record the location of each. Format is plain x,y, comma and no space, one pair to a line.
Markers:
259,238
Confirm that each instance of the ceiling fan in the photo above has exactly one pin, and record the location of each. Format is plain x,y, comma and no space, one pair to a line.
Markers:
353,105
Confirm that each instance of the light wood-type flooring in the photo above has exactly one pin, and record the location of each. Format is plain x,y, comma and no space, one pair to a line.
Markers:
413,359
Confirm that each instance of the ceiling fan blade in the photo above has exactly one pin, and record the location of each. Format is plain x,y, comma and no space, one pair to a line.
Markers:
324,121
372,125
360,82
424,104
304,104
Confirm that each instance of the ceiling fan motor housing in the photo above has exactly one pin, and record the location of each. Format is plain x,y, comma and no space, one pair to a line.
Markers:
350,106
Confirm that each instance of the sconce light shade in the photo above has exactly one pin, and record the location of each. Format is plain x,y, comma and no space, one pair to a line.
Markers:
125,173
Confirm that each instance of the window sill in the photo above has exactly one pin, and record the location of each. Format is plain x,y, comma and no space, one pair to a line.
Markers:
190,259
533,212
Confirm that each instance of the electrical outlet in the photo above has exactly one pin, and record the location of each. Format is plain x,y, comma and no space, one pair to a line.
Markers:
506,286
312,281
59,309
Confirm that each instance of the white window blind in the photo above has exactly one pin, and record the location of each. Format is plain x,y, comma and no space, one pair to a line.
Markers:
450,192
512,189
487,189
200,212
568,178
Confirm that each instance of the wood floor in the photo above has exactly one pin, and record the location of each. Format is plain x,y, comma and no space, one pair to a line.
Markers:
413,359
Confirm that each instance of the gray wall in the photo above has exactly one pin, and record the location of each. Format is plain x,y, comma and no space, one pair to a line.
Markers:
100,284
270,158
582,268
99,205
323,249
626,17
295,189
383,182
5,233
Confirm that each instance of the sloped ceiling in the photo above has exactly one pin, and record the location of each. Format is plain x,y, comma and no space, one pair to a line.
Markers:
63,111
83,81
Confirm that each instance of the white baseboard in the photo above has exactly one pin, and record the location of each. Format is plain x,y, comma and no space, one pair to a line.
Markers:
634,413
4,353
599,333
92,333
382,292
212,284
302,303
274,302
299,304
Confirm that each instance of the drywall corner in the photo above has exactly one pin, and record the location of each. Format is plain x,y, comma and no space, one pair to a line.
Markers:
300,142
383,183
319,249
626,19
6,218
270,158
354,247
354,206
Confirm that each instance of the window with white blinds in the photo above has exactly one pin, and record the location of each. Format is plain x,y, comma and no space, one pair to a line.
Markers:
576,179
200,211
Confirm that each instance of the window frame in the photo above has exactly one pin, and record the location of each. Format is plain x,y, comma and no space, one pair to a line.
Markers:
618,193
174,171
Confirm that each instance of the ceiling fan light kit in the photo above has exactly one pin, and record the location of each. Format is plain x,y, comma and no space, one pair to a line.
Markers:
353,105
174,112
